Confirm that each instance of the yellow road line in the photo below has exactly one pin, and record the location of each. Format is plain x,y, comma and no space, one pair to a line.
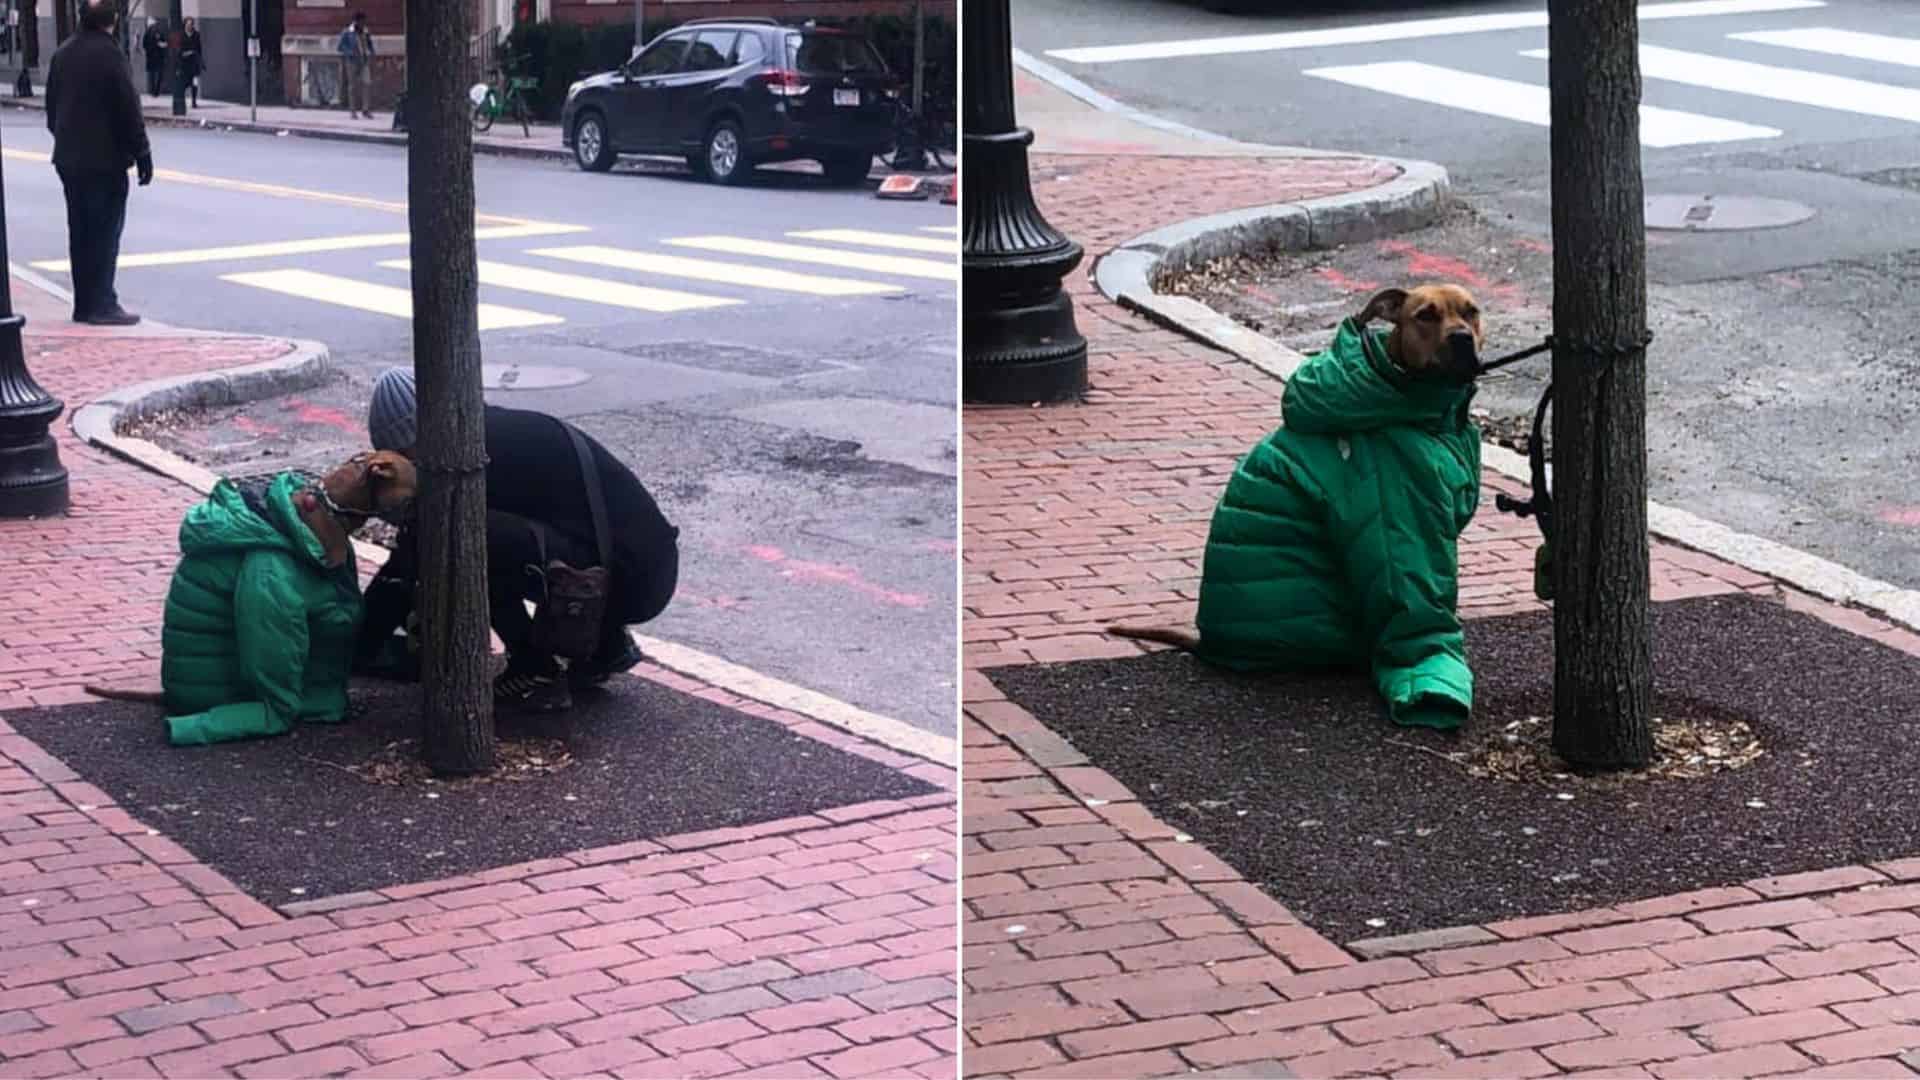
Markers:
586,289
851,260
282,191
758,277
878,239
316,245
380,299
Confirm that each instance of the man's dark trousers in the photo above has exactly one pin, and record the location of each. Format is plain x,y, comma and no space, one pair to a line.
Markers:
513,578
96,214
156,69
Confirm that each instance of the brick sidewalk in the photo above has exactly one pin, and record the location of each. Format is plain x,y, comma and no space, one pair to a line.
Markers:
819,946
1097,944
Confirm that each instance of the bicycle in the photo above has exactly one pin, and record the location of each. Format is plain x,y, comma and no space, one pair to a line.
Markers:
510,97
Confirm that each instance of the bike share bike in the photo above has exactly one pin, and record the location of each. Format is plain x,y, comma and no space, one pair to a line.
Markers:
508,95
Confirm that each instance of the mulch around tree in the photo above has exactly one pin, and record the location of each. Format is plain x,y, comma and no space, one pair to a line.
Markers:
325,810
1365,829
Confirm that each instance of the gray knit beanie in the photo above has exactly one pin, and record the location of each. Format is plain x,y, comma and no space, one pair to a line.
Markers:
390,416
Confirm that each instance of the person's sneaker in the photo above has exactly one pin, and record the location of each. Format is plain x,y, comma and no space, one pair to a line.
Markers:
116,317
532,693
597,672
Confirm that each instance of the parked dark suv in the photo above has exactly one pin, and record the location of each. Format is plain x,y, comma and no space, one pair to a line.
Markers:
731,94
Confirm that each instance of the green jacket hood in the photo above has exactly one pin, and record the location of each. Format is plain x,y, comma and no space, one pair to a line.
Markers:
1353,386
228,521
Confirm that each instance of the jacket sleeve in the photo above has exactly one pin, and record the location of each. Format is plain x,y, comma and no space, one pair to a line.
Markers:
389,599
129,122
50,92
1401,564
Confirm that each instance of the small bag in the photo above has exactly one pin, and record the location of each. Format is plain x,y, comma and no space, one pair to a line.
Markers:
573,606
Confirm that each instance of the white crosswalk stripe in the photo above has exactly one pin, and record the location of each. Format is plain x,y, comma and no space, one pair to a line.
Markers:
756,277
1526,102
850,260
1775,83
743,264
950,230
1403,30
1834,42
381,299
878,239
588,289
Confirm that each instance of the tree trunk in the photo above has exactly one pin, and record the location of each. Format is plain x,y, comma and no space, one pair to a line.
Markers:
1603,653
458,697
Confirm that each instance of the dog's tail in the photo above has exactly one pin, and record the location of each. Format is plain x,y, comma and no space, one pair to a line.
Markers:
1165,635
121,693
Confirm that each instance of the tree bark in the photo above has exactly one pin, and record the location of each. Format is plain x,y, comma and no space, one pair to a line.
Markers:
457,733
1603,652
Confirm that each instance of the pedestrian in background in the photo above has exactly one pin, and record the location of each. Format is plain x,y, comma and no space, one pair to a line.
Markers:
153,43
93,111
356,52
192,59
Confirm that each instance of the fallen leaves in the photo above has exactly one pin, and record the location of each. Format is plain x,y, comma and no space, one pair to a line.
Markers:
1521,751
399,763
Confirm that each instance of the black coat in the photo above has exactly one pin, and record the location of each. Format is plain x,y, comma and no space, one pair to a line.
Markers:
534,473
92,108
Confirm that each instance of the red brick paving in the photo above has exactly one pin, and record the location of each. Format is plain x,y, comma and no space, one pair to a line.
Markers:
813,946
1098,944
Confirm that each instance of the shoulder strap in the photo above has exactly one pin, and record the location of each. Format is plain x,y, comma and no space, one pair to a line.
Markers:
596,499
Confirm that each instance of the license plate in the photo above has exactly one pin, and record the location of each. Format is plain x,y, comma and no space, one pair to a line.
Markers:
846,97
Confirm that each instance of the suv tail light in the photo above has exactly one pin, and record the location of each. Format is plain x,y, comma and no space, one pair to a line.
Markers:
787,84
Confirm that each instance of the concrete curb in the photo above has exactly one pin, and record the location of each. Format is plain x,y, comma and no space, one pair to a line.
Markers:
307,363
98,422
1127,274
385,138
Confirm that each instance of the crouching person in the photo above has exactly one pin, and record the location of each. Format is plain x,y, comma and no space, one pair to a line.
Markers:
554,496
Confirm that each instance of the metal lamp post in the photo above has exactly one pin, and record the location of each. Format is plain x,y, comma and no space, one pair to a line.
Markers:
177,43
32,481
1018,340
911,154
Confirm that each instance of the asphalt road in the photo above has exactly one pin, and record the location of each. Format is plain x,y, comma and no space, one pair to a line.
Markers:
776,362
1785,370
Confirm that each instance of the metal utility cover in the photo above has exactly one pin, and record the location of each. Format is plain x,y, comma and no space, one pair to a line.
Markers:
1722,213
529,377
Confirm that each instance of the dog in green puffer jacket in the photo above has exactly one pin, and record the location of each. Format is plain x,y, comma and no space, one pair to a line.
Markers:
1336,543
264,606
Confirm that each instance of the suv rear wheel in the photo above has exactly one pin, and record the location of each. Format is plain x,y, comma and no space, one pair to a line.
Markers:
590,146
723,156
848,170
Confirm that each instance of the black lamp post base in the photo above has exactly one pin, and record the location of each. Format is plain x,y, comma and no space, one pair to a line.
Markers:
33,483
1024,353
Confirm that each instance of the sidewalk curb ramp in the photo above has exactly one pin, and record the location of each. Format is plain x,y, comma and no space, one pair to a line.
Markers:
307,364
1127,275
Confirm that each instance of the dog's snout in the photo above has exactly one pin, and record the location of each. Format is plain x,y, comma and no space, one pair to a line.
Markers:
1463,351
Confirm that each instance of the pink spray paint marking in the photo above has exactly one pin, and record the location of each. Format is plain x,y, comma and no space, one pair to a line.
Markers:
307,413
1902,515
829,574
254,427
1431,265
1340,280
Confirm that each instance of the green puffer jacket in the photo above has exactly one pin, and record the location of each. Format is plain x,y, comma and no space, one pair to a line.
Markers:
258,631
1336,542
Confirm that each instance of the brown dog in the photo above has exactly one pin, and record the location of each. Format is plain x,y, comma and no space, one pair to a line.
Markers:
379,483
1436,334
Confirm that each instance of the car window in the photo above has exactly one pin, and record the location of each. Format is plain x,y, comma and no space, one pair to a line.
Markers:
663,56
833,54
710,50
749,49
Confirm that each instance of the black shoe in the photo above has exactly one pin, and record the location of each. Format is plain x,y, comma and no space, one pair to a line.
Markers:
525,692
596,672
117,317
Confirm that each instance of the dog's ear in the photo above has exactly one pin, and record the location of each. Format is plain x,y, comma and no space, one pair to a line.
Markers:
381,471
1386,304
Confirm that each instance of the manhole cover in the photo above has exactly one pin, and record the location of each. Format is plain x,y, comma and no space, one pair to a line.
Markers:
529,377
1722,213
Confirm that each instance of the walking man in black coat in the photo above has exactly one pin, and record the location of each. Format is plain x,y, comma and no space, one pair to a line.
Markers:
538,509
154,44
93,111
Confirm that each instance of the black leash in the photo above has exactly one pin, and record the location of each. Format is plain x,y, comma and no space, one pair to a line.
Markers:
1540,506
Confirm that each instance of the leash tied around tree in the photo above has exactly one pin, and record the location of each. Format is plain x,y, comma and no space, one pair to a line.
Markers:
1540,505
